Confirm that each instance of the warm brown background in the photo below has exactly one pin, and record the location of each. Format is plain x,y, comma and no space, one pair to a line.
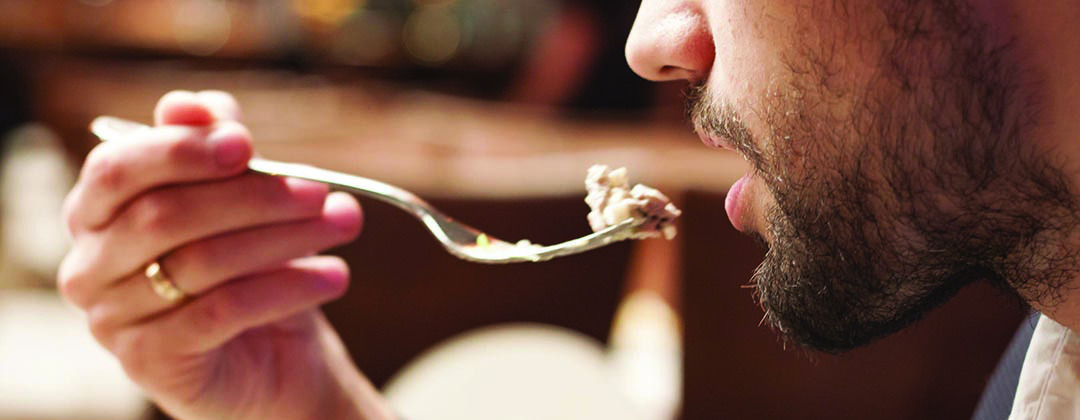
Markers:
76,62
408,294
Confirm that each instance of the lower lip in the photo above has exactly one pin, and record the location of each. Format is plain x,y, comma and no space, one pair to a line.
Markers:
734,205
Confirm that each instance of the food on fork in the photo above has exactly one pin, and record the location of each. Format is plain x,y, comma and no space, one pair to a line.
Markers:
521,247
612,201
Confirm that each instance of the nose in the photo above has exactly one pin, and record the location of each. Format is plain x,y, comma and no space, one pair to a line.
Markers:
670,40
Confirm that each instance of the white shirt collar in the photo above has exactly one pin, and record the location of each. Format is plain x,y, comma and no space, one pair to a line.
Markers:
1049,387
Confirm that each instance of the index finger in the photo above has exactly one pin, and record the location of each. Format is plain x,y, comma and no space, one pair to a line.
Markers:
118,171
179,150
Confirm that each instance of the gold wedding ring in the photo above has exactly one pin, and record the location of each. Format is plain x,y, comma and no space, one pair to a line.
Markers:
162,285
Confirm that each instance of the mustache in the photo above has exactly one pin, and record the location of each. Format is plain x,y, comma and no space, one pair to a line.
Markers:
718,119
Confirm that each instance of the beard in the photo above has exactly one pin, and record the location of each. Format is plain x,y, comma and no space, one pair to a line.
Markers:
928,182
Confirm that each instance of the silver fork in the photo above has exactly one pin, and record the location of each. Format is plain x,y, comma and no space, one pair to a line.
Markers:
459,239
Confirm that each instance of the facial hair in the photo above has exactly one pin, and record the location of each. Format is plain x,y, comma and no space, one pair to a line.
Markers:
929,183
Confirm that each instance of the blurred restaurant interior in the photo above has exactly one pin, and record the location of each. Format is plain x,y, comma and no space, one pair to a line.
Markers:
492,110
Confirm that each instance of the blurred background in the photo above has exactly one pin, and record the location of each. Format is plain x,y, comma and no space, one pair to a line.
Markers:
493,110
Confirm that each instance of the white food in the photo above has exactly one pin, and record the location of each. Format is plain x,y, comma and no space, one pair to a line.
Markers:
522,249
612,201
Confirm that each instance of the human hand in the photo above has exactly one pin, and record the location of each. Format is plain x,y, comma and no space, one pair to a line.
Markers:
248,341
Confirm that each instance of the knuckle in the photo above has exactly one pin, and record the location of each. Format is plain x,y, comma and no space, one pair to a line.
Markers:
71,291
70,283
104,170
215,313
195,260
154,212
69,216
102,324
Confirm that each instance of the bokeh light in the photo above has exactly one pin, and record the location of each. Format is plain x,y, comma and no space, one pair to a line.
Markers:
432,35
201,27
326,12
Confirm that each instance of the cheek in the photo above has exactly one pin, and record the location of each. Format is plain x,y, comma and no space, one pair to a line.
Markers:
749,39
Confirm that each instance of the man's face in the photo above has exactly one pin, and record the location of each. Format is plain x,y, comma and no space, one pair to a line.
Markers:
892,155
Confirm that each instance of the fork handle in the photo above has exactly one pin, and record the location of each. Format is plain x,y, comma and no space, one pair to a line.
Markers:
112,128
357,184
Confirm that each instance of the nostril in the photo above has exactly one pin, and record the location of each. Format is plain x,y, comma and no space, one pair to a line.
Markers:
676,73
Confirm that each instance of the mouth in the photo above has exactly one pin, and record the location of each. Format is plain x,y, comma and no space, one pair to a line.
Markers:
737,202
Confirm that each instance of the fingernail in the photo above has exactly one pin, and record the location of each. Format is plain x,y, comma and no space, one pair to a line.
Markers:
230,146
